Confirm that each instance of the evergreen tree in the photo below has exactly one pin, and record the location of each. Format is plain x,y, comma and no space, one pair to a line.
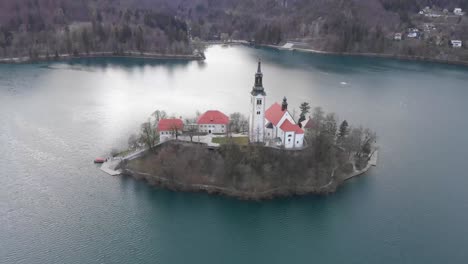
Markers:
305,108
343,129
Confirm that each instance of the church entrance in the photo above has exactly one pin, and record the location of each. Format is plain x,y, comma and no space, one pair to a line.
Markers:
209,131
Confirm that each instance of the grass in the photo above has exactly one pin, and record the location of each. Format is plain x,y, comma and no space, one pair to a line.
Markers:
235,140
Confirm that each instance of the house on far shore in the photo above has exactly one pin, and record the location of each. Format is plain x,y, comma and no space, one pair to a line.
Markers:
458,12
213,122
413,33
168,128
398,36
456,43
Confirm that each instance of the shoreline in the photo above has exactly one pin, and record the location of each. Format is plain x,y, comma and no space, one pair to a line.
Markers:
177,185
104,54
170,184
369,55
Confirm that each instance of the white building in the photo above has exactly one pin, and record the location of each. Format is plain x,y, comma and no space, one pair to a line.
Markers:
456,43
281,129
275,126
413,33
213,122
398,36
168,128
458,12
257,109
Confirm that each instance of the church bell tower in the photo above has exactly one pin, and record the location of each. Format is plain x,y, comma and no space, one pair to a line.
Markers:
257,109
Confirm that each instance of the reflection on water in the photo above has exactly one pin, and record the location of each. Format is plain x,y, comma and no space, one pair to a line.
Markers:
56,118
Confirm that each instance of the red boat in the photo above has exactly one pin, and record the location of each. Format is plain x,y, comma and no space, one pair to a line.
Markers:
99,160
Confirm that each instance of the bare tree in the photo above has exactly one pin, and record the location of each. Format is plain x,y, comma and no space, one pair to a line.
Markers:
148,134
159,114
175,130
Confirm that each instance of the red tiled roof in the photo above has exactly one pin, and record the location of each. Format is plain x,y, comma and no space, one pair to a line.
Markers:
170,124
309,123
213,117
290,127
274,114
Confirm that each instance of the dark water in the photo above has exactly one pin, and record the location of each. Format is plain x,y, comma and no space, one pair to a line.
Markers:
57,207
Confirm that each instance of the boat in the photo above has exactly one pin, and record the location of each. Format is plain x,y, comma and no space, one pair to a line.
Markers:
99,160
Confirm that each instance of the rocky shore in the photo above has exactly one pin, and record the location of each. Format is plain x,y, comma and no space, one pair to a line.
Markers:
189,167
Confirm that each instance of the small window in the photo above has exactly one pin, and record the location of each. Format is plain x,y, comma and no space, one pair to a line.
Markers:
258,112
289,140
259,101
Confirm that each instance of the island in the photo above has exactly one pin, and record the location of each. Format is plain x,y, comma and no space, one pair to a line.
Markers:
268,155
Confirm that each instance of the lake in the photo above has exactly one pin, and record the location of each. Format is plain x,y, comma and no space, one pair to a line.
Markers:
56,206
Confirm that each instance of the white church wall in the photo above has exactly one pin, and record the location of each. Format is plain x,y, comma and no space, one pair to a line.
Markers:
289,140
257,119
299,141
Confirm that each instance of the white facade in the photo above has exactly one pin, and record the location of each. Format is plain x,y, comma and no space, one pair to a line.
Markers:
166,135
257,118
212,128
293,140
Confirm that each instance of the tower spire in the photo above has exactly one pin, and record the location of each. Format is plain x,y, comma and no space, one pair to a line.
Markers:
258,86
284,105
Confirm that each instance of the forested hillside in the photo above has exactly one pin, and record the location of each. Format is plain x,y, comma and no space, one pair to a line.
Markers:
33,27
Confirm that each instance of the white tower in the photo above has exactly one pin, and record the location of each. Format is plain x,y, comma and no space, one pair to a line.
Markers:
257,109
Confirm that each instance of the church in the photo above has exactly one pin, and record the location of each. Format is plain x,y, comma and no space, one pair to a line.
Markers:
274,126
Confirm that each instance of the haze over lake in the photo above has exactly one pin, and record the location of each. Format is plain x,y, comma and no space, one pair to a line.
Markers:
56,206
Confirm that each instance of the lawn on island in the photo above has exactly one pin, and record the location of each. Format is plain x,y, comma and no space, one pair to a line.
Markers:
235,140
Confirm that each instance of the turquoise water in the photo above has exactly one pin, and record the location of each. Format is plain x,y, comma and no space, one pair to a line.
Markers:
57,207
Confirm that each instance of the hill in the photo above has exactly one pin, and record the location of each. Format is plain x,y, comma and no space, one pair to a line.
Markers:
32,27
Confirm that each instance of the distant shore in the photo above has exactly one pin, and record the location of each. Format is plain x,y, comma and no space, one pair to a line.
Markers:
128,54
369,54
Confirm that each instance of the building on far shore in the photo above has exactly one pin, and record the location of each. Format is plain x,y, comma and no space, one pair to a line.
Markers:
458,11
168,128
398,36
456,43
213,122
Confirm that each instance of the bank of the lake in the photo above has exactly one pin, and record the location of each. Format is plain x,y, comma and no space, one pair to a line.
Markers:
97,55
372,55
56,205
243,172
